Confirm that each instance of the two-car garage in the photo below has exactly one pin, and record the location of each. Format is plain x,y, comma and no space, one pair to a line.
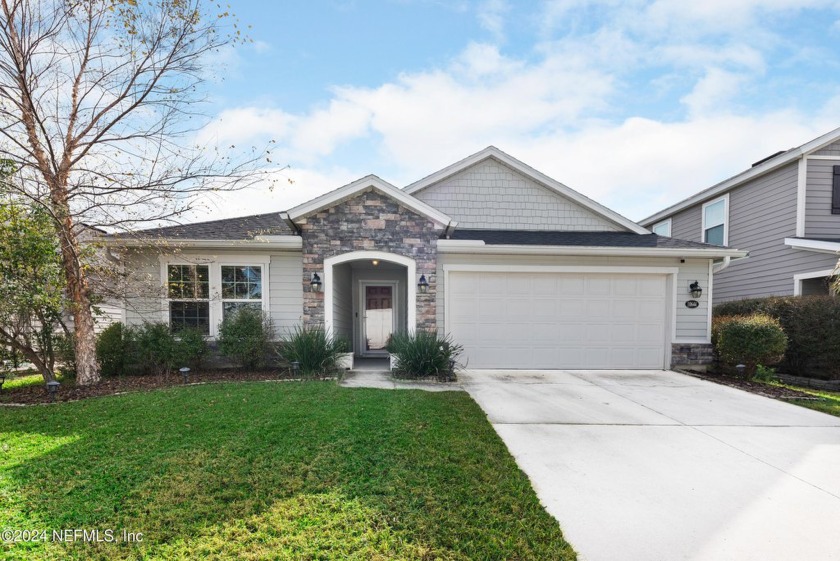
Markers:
570,319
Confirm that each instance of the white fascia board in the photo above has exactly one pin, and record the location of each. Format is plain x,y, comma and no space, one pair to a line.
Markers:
479,247
361,185
528,171
817,246
276,243
752,173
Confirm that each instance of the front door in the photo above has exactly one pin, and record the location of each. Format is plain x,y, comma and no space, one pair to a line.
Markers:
378,321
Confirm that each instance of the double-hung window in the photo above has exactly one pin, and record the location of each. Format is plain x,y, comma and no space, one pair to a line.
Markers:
188,290
201,294
242,287
715,221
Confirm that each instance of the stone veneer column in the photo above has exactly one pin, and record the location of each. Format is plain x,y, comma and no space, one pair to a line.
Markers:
374,222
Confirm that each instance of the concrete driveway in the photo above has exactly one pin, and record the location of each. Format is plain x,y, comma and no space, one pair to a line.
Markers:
653,465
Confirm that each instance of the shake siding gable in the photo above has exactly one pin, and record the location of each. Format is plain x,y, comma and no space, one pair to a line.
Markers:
832,149
491,195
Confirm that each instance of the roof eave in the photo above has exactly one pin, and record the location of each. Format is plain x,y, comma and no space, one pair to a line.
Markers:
278,243
817,246
479,247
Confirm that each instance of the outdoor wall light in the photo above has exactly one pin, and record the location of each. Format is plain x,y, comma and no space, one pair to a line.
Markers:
695,290
423,284
316,283
185,372
52,389
375,262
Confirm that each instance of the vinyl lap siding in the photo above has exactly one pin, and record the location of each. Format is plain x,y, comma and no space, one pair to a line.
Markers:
819,222
285,291
490,195
686,225
830,150
343,301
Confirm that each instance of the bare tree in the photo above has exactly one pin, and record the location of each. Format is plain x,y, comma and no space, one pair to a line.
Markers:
98,112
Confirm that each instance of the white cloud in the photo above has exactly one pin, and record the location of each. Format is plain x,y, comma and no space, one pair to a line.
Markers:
491,16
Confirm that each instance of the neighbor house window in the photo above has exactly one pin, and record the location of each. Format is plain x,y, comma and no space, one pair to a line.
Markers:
662,228
188,290
714,221
242,287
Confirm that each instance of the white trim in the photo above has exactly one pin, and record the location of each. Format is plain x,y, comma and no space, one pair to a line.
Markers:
821,157
479,247
528,171
725,199
690,341
370,182
710,292
817,246
214,264
666,221
801,196
411,285
799,277
275,243
752,173
671,274
362,284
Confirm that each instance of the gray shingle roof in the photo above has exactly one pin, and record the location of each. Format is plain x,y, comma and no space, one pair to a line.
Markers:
242,228
587,239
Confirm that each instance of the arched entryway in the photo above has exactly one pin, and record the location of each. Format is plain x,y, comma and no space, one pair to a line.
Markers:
367,296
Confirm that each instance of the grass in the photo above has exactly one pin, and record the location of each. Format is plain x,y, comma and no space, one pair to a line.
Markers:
270,470
830,402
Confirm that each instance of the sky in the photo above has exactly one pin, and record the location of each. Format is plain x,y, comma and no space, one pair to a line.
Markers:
636,104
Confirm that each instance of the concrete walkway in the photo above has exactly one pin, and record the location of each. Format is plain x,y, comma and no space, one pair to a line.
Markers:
656,465
382,379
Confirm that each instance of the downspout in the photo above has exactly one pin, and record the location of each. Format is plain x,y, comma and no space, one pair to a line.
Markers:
718,267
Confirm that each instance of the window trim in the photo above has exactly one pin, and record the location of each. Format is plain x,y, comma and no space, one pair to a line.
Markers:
167,312
661,222
799,277
725,199
215,264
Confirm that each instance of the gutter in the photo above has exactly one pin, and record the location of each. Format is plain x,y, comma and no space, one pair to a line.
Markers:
274,243
290,223
479,247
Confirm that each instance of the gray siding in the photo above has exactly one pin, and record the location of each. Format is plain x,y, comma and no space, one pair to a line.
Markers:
490,195
144,288
830,150
343,301
686,225
819,222
691,324
285,291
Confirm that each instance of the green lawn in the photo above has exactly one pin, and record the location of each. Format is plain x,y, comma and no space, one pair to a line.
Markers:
270,470
830,402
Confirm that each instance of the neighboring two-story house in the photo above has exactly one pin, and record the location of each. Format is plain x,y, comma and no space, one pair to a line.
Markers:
784,210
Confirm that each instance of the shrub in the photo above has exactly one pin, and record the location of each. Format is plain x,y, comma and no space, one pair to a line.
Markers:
113,350
315,350
424,353
190,347
156,348
64,351
750,340
812,325
245,335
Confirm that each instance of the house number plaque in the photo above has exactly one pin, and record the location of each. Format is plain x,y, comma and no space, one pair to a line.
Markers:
692,304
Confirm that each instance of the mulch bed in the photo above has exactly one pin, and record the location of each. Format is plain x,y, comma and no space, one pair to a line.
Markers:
766,390
30,395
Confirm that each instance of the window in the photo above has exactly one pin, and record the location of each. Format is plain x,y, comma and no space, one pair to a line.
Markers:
662,228
714,221
200,293
188,290
241,287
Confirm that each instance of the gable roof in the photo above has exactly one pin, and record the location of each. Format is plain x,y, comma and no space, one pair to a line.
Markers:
761,168
528,171
367,183
242,228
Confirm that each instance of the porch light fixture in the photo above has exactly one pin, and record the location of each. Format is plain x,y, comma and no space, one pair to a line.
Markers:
375,262
423,284
315,283
695,290
185,372
52,389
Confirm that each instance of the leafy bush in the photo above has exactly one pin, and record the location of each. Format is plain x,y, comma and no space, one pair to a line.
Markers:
765,374
64,351
750,340
190,347
812,325
315,350
156,348
424,353
114,350
245,335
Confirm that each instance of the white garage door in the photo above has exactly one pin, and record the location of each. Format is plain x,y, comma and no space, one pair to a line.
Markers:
558,320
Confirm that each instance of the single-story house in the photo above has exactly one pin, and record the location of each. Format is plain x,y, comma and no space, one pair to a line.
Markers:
521,270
